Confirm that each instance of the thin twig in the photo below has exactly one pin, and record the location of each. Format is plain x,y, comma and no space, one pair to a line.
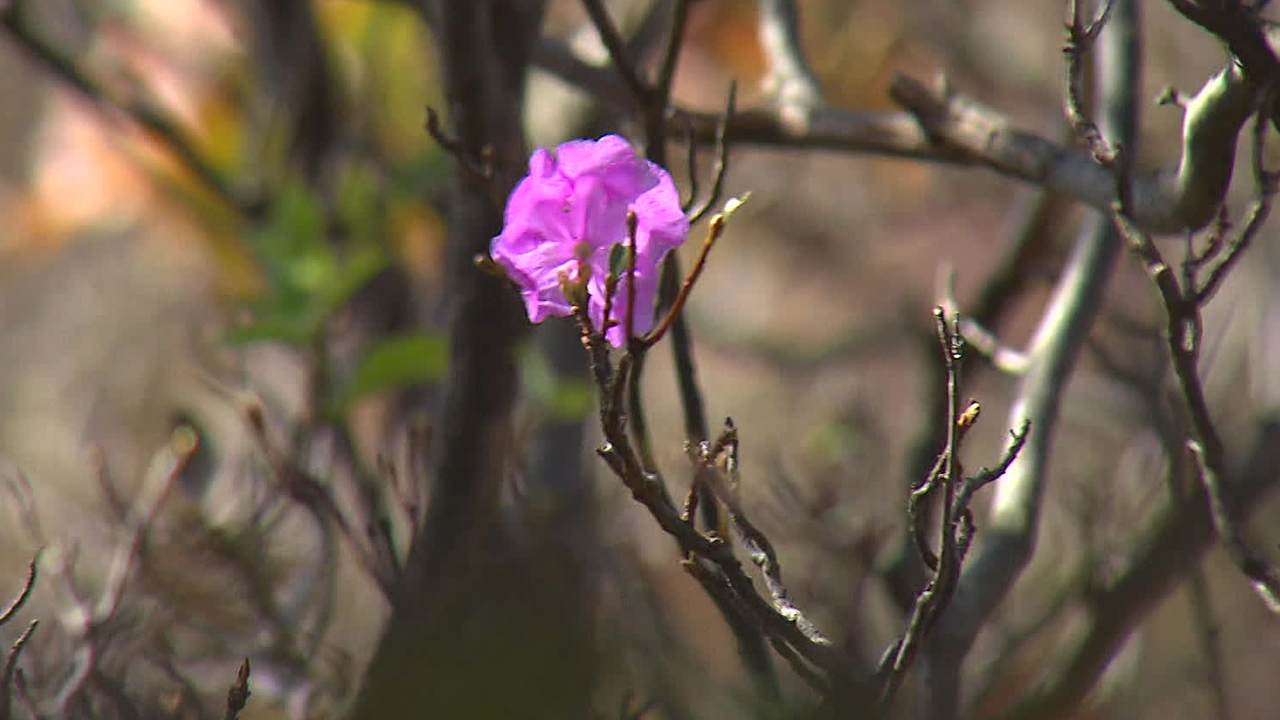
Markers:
10,665
481,167
690,169
1007,359
946,568
755,541
619,455
1208,633
295,483
1162,552
714,230
953,128
957,526
722,159
999,290
632,258
985,476
617,47
16,604
1268,183
24,694
671,56
1080,39
91,616
1264,576
1061,332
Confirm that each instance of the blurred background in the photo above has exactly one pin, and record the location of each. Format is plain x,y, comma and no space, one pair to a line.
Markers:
223,223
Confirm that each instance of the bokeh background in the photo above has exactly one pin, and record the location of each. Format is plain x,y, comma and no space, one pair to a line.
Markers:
135,297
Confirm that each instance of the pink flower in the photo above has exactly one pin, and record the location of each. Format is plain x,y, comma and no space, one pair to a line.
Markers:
574,204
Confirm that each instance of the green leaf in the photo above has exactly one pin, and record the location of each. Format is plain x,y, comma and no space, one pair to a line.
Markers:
294,329
571,400
619,259
563,399
308,278
396,362
356,271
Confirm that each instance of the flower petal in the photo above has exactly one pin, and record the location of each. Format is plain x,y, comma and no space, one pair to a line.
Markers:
580,196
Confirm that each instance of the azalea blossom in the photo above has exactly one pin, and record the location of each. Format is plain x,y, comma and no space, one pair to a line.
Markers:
566,217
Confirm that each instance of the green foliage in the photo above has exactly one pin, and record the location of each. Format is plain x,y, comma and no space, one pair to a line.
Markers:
306,276
562,399
619,259
395,362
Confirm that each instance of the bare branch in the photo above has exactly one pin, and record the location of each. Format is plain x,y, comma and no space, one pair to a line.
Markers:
671,55
617,47
714,230
1268,182
1080,39
1010,534
957,526
1006,359
1237,24
790,83
1183,327
757,544
1208,631
23,594
155,120
90,616
734,588
1163,552
10,666
945,127
722,160
1263,575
